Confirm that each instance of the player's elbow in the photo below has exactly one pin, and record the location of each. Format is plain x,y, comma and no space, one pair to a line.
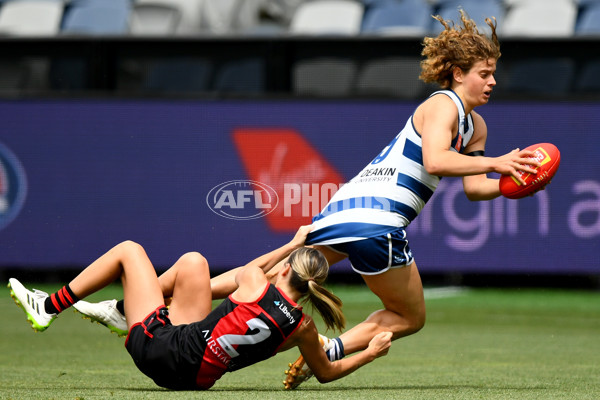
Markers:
479,196
325,377
473,195
433,166
476,193
479,188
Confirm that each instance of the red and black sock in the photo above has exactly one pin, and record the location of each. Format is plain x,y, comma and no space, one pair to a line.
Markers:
59,301
121,306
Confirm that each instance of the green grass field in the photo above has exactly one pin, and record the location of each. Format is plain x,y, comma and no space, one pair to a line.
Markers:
477,344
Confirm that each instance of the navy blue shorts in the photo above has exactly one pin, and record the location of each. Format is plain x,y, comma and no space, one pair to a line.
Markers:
377,254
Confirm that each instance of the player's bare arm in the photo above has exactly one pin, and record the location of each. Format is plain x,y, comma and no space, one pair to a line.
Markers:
437,121
479,187
327,371
224,284
269,260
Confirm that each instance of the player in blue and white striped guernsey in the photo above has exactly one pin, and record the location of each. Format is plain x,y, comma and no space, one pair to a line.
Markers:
397,183
365,220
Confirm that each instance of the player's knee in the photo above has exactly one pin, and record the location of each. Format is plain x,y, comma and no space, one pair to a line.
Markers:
128,245
194,258
416,323
400,324
193,264
413,321
129,248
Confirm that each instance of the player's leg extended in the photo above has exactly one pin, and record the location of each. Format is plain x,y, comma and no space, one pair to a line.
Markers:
187,275
187,282
401,291
127,260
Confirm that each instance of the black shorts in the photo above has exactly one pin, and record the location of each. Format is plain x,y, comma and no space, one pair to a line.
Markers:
154,347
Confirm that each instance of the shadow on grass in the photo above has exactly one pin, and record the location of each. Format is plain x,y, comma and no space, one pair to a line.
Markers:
326,388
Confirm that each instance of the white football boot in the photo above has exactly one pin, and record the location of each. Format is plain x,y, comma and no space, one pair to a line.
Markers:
105,313
32,302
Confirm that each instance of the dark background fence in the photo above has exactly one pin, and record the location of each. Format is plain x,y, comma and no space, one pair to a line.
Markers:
280,67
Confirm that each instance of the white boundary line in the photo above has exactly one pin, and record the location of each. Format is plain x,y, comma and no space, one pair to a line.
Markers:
444,292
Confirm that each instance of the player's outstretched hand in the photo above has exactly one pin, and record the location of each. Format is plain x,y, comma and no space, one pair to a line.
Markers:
300,237
380,344
515,161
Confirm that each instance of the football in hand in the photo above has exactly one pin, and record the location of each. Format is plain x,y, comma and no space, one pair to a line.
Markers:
549,157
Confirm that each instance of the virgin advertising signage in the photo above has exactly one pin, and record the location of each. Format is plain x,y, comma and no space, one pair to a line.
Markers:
234,179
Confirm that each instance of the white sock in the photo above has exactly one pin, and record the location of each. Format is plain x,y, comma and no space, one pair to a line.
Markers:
335,350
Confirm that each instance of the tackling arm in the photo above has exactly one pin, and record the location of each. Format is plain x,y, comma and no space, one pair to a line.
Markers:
225,284
327,371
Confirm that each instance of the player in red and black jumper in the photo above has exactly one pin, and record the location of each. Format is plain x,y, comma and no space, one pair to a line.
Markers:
188,346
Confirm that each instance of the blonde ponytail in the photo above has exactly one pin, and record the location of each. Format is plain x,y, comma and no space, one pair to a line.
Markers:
310,269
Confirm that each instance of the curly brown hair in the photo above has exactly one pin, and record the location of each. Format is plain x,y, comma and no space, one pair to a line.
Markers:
459,47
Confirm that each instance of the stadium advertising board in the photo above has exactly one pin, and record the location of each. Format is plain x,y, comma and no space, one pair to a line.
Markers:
234,179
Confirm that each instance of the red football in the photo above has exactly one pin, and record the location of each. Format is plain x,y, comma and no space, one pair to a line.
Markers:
549,157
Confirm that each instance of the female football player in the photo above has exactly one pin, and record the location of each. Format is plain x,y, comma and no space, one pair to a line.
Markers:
188,346
365,220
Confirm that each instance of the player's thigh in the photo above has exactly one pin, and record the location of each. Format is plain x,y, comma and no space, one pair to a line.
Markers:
401,291
141,290
191,296
330,254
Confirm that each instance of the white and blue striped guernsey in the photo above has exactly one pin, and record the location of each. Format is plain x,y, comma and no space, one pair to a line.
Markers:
389,192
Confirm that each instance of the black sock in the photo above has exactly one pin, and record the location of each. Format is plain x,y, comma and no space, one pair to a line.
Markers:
121,306
59,301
